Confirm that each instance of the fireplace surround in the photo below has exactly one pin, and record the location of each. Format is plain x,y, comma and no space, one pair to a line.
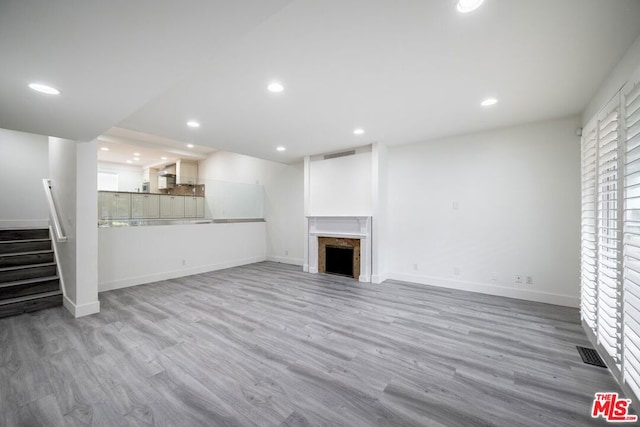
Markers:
340,231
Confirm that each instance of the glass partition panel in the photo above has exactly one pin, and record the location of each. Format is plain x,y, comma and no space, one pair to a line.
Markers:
232,200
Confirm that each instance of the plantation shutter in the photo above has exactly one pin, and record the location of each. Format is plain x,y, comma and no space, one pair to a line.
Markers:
588,300
631,262
609,298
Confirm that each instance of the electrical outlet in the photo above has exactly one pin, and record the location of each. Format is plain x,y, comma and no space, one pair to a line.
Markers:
184,262
518,279
456,206
415,266
456,271
286,253
529,280
494,277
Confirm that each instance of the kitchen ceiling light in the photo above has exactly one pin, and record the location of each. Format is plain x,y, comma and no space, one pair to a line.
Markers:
466,6
358,131
129,161
193,124
280,148
136,154
275,87
190,145
137,159
104,148
39,87
489,102
163,158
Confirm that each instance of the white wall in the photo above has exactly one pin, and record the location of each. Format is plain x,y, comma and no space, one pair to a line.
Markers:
614,81
129,177
24,162
73,173
341,186
489,206
284,199
135,255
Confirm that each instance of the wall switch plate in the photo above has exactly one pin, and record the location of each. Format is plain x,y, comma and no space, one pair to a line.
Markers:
286,253
456,206
494,277
415,266
518,279
456,271
529,280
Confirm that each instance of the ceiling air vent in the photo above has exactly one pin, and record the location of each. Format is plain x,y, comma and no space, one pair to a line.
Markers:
342,154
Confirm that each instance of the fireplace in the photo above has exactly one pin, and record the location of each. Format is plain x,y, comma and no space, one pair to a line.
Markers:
339,256
340,237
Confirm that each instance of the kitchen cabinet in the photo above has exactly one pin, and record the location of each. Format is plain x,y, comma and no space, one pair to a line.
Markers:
199,207
145,206
193,207
186,172
113,205
171,206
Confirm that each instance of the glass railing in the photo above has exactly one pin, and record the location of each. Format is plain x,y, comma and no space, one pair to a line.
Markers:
205,201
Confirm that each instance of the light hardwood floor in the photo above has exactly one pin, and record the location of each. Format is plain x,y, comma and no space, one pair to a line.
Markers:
268,345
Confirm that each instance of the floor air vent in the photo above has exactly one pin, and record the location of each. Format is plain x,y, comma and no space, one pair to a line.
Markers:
590,356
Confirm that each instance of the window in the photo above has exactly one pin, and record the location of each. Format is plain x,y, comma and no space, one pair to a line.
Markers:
610,222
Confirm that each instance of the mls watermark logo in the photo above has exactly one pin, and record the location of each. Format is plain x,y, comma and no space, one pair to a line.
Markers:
612,409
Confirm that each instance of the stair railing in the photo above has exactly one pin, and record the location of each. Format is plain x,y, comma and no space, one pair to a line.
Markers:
53,213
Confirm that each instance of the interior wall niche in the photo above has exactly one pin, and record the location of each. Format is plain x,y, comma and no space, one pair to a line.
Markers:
340,243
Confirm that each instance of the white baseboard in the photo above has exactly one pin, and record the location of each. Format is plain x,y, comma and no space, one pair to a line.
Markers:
305,268
379,278
484,288
156,277
364,278
285,260
24,223
81,310
312,270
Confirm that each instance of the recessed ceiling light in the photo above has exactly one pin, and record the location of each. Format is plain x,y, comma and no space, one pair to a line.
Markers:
193,124
136,154
466,6
190,145
489,102
44,88
104,148
136,159
358,131
280,148
163,158
275,87
129,161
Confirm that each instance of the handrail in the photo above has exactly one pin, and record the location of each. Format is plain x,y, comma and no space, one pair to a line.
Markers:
53,213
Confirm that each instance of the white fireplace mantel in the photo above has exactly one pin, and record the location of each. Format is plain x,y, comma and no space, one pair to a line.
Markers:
348,227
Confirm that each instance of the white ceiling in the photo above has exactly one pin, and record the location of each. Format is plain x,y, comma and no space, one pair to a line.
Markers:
404,70
151,150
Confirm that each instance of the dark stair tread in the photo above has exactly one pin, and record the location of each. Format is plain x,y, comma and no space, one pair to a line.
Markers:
24,241
28,281
30,297
12,233
26,267
44,251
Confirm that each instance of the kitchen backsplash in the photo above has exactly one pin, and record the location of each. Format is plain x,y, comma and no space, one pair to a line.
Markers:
184,190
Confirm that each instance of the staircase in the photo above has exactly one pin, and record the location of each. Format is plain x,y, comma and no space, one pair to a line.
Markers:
28,274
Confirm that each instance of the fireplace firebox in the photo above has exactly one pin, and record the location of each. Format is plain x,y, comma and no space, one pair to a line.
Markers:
339,256
339,261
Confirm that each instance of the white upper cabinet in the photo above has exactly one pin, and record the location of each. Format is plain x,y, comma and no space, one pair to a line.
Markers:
186,172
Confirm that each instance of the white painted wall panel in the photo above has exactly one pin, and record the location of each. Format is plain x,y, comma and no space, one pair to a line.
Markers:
24,162
341,186
472,212
135,255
